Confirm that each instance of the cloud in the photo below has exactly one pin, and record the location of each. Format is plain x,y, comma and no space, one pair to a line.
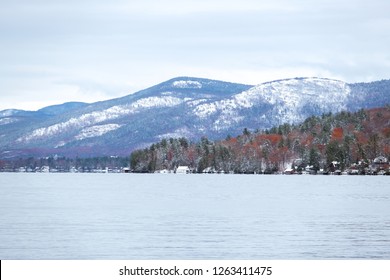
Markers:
102,49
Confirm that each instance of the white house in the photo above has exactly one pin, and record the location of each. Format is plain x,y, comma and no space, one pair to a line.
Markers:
380,160
183,170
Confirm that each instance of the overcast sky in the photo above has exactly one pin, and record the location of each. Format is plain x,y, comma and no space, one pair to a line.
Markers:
54,51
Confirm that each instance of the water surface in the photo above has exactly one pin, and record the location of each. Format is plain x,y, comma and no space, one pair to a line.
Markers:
172,216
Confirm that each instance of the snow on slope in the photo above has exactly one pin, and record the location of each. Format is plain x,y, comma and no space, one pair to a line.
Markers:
4,121
180,132
90,119
292,98
289,98
9,112
264,105
97,130
186,84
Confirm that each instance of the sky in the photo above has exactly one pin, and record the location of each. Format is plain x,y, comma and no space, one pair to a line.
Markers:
55,51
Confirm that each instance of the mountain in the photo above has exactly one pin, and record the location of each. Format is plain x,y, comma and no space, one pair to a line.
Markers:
62,108
181,107
46,111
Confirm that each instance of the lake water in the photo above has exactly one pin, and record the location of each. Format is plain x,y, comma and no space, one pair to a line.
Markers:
172,216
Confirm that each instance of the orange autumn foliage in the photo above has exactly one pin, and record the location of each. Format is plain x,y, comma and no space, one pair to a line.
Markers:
337,134
274,139
386,132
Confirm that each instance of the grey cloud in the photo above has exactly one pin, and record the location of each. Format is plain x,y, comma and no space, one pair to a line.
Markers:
108,43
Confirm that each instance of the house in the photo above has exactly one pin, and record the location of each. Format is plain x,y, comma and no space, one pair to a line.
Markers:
22,169
209,170
380,165
45,169
289,171
334,166
183,170
380,160
353,172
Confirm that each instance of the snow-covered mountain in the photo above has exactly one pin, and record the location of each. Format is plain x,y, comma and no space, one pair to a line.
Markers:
181,107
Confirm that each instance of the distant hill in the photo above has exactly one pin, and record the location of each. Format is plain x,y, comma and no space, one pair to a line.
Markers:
181,107
62,108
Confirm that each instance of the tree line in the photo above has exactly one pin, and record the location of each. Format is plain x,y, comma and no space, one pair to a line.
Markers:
346,139
64,164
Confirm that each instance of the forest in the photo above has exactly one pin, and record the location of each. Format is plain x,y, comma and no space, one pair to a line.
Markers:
343,141
358,143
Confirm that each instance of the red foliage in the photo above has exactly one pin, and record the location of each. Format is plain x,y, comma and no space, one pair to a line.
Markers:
278,156
307,141
337,134
321,148
231,141
191,154
350,128
170,155
274,139
361,137
386,149
386,132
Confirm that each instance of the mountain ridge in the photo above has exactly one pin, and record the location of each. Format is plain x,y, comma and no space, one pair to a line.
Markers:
180,107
